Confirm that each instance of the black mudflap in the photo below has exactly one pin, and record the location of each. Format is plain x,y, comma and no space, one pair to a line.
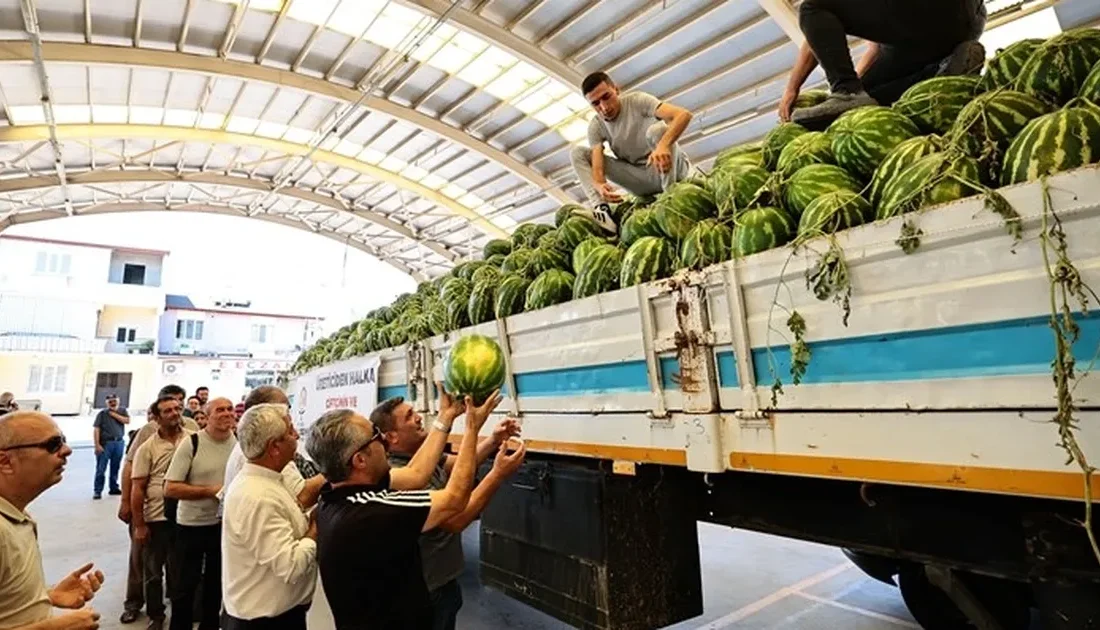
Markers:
596,549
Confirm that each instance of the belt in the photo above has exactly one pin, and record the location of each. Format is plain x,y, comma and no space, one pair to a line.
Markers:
111,440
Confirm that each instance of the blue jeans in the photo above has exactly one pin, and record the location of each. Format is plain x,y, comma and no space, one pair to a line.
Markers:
446,600
112,452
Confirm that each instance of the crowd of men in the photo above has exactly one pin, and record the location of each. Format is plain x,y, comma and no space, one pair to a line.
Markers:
231,524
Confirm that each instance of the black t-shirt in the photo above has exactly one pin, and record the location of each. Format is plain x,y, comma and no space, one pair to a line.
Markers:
368,553
109,428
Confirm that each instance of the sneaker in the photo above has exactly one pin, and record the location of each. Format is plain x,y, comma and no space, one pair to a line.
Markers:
129,616
602,214
831,109
967,58
115,493
97,496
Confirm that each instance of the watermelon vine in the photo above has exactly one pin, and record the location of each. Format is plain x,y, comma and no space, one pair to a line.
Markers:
1067,290
909,240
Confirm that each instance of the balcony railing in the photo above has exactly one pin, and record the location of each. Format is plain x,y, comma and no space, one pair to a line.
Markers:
51,343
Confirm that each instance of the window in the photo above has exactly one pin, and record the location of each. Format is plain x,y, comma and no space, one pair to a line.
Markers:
189,329
260,333
53,264
126,334
133,274
47,379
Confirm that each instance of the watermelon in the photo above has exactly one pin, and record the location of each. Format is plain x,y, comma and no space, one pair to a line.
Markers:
437,320
567,211
815,180
741,149
418,328
737,187
935,103
511,293
497,246
1004,68
862,137
457,313
384,313
1058,68
486,273
549,240
621,211
479,308
903,155
642,223
586,247
986,126
528,234
1059,141
455,290
553,286
599,271
777,139
752,158
813,147
681,207
496,260
649,258
1090,89
545,259
810,98
517,261
833,212
576,229
466,270
474,366
760,229
929,181
706,244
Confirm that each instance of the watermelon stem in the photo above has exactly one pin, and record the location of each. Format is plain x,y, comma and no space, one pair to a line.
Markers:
1067,291
909,240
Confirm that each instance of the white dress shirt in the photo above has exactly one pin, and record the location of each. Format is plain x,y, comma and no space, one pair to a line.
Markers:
292,479
268,567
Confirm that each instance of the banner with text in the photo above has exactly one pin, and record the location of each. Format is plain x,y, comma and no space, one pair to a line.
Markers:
347,384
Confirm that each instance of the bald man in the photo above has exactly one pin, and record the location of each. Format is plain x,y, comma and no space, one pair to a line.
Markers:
33,454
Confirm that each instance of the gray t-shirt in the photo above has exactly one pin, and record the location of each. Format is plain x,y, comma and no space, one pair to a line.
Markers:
109,428
626,134
440,551
201,465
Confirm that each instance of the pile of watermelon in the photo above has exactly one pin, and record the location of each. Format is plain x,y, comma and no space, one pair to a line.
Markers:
1033,112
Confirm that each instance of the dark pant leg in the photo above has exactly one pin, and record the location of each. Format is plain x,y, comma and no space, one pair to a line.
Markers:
135,576
293,619
115,451
897,70
155,557
101,460
211,585
446,602
186,556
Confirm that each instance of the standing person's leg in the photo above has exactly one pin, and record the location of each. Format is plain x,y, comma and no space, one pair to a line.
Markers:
446,602
212,578
115,450
681,166
186,571
101,460
827,24
155,556
135,582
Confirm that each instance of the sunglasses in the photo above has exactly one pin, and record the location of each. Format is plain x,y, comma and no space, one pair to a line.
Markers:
51,446
376,437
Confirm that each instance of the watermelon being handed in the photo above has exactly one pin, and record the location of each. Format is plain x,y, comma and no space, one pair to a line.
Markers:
1091,88
903,156
737,187
815,180
761,229
565,212
707,243
1058,68
1004,68
1063,140
480,306
931,180
649,258
986,126
777,139
935,103
496,246
586,247
474,366
599,271
861,138
813,147
553,286
833,212
511,294
642,223
681,207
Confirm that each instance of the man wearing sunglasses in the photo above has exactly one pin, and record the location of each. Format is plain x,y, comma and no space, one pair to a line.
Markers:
33,454
368,534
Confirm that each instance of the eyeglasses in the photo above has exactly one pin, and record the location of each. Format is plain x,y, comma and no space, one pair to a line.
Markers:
376,437
51,446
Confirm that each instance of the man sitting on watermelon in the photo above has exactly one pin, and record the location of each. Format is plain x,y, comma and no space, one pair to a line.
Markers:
642,132
908,41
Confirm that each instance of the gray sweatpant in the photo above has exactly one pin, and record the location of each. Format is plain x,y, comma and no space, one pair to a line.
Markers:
638,179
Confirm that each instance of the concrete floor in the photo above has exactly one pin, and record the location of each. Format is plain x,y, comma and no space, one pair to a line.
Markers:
751,581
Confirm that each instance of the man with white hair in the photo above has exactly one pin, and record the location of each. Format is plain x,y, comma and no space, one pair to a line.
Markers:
33,454
269,549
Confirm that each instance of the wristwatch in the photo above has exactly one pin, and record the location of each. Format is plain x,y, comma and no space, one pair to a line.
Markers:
439,426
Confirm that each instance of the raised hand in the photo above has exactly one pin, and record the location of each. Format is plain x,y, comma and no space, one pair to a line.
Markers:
477,415
449,407
508,463
508,428
77,588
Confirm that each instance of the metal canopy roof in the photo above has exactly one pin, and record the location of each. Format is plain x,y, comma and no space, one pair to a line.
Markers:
413,130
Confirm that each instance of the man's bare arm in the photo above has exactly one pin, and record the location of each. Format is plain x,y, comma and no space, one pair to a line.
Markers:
677,118
452,499
311,491
869,58
118,416
415,475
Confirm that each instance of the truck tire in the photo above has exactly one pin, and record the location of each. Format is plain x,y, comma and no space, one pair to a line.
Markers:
933,609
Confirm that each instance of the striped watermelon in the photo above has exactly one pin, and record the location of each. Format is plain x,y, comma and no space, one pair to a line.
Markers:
649,258
621,211
486,273
575,230
497,246
681,207
706,244
418,329
814,147
466,270
931,180
553,286
833,212
1004,68
737,187
599,272
862,137
586,247
815,180
517,261
725,155
642,223
760,229
810,98
437,321
496,260
935,103
1090,89
545,259
1062,140
986,126
1057,69
777,139
511,294
456,313
480,306
567,211
548,240
455,290
903,156
474,366
528,234
753,158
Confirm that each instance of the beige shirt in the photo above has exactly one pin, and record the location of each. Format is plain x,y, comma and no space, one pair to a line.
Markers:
24,598
152,461
147,431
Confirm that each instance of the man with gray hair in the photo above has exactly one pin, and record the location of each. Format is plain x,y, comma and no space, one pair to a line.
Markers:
269,566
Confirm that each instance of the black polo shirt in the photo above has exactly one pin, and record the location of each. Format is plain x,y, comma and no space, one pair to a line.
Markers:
368,553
